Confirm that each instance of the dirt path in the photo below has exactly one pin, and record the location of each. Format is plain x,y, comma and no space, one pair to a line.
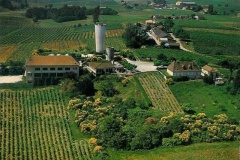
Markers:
178,41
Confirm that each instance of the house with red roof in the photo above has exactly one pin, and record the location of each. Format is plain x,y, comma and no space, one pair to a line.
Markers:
50,67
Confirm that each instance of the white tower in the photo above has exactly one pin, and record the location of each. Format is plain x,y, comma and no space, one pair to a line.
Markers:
109,53
100,30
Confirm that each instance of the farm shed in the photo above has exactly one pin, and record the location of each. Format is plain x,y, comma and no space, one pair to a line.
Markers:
184,68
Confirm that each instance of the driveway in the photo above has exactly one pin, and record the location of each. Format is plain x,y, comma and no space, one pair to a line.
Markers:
10,79
143,66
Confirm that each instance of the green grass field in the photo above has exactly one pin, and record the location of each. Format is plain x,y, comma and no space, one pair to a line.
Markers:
209,99
201,151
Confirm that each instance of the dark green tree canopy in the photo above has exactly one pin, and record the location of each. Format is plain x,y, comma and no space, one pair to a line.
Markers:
96,12
237,81
134,36
160,1
231,64
168,24
63,14
180,33
6,4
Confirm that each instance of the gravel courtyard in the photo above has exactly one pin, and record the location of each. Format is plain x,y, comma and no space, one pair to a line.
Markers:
143,66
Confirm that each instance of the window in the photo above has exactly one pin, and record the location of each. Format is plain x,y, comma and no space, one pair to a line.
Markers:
59,74
45,74
52,74
67,69
37,69
98,71
60,68
37,75
45,69
52,69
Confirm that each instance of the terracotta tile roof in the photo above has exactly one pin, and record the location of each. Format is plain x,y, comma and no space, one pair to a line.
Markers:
52,61
184,66
100,65
209,69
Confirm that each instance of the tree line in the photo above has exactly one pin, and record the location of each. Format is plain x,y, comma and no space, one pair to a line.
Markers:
12,68
18,4
67,13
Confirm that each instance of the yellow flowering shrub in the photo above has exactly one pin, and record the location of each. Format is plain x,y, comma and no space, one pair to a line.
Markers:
198,123
97,102
74,104
97,148
230,135
214,129
87,104
185,137
92,141
201,115
164,120
221,118
87,127
196,131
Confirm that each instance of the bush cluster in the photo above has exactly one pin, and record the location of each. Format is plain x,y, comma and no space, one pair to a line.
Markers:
125,125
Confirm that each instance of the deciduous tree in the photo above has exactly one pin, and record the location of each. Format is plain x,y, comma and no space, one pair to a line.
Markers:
134,36
231,64
95,14
237,81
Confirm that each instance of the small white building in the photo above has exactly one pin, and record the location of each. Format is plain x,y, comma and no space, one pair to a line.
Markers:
50,67
184,68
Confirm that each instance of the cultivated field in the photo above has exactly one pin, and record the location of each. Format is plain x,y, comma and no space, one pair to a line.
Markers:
20,37
158,92
34,125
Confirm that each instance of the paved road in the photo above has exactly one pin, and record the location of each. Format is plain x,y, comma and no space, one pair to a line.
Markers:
143,66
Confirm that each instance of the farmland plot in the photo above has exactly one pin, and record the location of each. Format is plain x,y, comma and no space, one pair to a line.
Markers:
34,125
24,51
63,45
158,92
6,52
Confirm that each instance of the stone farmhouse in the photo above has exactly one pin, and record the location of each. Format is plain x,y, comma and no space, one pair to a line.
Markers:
184,68
52,67
100,68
